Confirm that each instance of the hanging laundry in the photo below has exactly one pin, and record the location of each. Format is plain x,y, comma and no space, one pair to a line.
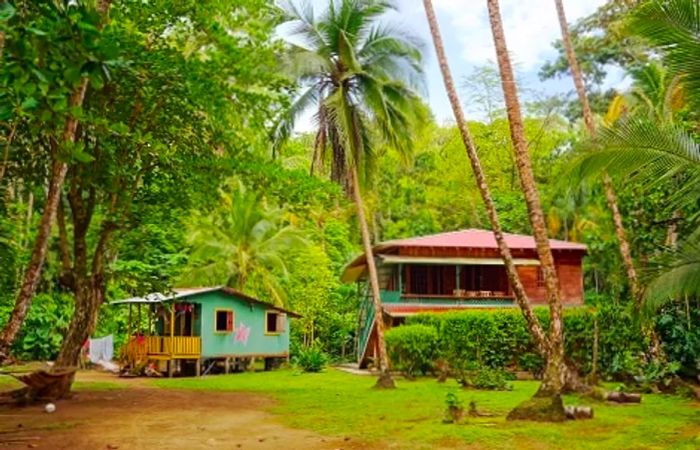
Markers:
101,349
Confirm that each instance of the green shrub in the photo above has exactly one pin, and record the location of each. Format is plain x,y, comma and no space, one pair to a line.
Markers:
412,348
311,359
499,339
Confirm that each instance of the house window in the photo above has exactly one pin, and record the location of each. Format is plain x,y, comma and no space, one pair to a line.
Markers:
224,321
274,322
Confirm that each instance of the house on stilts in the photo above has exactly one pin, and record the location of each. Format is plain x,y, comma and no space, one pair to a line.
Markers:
458,270
181,331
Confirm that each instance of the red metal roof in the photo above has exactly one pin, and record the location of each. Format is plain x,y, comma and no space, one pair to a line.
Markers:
473,238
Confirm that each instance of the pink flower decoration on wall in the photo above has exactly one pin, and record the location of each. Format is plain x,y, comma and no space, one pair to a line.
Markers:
242,334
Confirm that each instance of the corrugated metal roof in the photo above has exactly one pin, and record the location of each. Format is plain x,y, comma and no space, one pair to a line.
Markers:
473,238
178,293
396,259
470,238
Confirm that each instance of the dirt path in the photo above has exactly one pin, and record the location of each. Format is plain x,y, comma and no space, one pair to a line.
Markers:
150,418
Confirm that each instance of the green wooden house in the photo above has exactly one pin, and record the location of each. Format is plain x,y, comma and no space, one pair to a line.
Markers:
204,325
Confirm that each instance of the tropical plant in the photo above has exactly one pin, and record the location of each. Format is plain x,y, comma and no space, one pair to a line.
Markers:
241,244
588,119
311,359
651,150
361,77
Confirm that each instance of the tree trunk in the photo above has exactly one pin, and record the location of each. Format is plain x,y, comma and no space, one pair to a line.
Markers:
519,291
385,380
38,256
555,371
36,262
610,195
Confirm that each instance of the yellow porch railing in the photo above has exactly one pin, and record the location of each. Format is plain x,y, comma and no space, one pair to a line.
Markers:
162,347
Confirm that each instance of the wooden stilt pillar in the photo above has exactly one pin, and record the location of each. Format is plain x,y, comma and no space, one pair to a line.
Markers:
227,365
198,367
171,368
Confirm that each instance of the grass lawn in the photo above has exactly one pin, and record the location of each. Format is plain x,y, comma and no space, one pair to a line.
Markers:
339,404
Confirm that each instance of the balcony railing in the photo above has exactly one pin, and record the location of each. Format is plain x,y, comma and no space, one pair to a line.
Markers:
140,348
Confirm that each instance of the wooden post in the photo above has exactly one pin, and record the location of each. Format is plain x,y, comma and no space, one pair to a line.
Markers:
400,279
227,365
150,320
128,330
138,327
458,273
172,334
198,367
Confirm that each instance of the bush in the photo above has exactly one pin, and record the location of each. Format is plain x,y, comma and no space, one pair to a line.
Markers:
500,340
412,348
491,379
311,359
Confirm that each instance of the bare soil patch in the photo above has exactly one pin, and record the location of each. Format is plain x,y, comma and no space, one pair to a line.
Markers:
149,418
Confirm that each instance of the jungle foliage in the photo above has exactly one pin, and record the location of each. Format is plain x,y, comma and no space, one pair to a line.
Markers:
173,179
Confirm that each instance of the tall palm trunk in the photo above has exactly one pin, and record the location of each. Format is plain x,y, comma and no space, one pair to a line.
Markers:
36,262
610,195
521,298
385,380
555,371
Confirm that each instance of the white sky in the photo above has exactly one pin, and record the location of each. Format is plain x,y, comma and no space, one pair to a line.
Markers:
531,27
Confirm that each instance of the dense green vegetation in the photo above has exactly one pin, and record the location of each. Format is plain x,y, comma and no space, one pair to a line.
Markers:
182,169
460,342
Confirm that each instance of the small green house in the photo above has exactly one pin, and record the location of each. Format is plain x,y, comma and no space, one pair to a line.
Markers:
205,326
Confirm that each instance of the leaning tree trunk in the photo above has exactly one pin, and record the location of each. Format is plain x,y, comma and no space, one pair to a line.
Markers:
38,256
610,195
533,323
554,378
385,380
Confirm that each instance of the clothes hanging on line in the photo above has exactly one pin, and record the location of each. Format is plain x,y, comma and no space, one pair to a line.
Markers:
101,349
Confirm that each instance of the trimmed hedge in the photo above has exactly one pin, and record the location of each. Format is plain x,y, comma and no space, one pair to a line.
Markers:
499,339
412,348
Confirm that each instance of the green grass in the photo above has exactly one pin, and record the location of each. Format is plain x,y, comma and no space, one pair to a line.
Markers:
339,404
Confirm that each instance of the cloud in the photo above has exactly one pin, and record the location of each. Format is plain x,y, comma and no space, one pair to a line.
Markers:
530,26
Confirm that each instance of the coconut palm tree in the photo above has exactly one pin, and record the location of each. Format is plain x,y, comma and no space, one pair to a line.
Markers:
241,245
361,77
649,149
610,195
533,323
554,378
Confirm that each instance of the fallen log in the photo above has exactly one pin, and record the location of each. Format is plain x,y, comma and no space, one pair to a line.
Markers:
623,397
578,412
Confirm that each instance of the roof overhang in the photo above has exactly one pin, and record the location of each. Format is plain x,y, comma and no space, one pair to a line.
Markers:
176,294
354,271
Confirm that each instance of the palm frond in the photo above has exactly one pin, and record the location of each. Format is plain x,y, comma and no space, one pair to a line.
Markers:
673,27
646,152
674,274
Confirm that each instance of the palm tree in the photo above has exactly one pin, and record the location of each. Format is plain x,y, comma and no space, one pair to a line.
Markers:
360,76
241,245
649,149
554,378
533,323
610,195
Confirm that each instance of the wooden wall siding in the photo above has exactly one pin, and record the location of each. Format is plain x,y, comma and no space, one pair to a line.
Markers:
568,264
570,282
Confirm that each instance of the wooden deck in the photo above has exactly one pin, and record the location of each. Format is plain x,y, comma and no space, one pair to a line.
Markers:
164,348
